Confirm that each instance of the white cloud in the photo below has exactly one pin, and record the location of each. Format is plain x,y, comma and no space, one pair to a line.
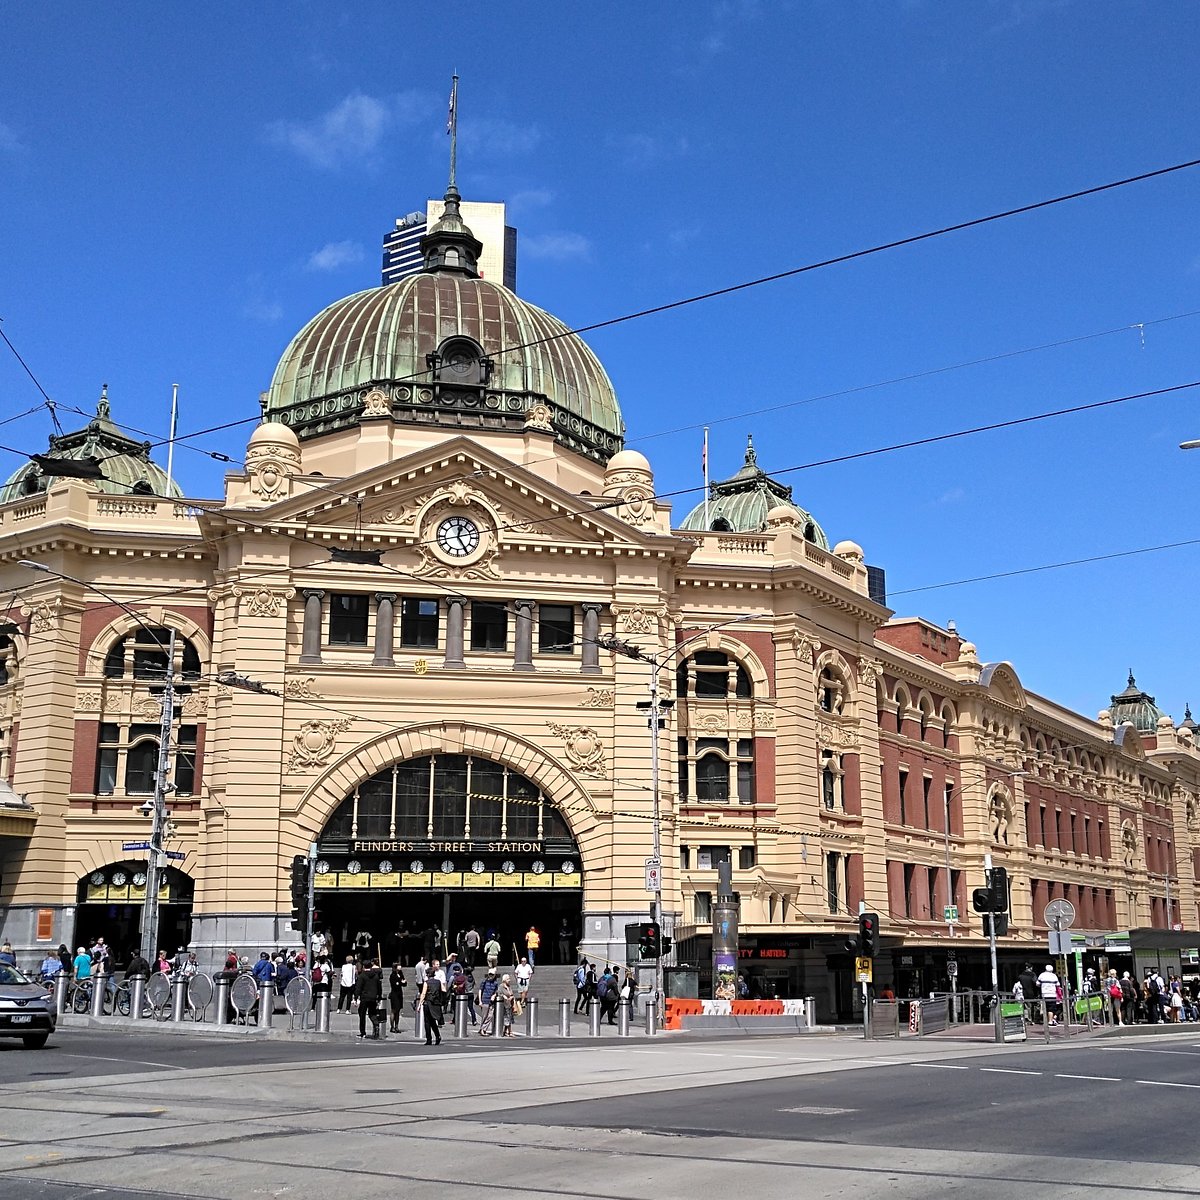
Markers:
256,304
555,247
335,255
351,131
9,142
494,137
648,149
530,198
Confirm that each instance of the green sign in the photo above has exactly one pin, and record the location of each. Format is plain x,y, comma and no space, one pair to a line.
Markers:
950,913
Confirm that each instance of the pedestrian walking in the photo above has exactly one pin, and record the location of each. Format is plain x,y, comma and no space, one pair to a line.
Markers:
581,973
8,957
491,952
533,943
1050,989
396,986
1129,999
370,992
470,948
524,974
564,942
506,998
430,1001
346,982
487,1002
469,991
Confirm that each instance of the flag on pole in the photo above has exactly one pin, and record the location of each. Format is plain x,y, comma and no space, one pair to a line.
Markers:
452,112
704,453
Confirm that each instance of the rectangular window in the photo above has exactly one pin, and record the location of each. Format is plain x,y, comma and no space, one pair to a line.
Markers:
746,857
150,653
948,808
556,628
348,620
710,856
418,623
903,796
45,924
489,625
828,788
926,784
745,770
141,760
703,901
185,761
685,856
832,862
106,759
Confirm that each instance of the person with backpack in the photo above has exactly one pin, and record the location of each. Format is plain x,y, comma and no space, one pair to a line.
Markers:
1112,988
1129,999
581,974
1153,996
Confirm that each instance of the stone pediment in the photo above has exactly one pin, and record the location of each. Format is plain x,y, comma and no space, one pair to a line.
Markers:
405,502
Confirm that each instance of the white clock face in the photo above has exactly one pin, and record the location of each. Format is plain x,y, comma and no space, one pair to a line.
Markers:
447,865
322,867
539,867
385,865
354,866
139,880
477,866
416,866
458,536
97,878
508,867
119,879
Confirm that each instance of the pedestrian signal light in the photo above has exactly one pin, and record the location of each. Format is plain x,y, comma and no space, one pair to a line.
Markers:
997,878
868,934
649,940
981,900
998,921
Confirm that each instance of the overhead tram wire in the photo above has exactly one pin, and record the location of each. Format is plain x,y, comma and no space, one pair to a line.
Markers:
793,272
49,403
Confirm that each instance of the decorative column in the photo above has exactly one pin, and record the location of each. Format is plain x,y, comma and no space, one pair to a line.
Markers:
523,658
385,618
454,631
310,647
590,658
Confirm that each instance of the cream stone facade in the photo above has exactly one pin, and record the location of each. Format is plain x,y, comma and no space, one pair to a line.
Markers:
421,573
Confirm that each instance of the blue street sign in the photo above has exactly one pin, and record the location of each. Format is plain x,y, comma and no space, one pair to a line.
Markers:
175,854
135,845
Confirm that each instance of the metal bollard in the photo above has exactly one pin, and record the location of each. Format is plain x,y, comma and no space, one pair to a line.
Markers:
622,1018
594,1017
266,1004
564,1018
531,1017
223,1000
460,1016
179,998
810,1011
652,1018
323,1012
62,981
137,996
99,988
419,1023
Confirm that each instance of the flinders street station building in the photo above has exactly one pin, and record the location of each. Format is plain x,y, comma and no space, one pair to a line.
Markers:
434,560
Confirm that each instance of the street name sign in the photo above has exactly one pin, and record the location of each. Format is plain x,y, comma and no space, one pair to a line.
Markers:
135,845
950,913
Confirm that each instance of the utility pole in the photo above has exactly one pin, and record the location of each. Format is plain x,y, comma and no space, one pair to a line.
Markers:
162,786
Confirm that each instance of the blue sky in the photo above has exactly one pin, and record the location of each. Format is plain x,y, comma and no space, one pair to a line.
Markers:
183,188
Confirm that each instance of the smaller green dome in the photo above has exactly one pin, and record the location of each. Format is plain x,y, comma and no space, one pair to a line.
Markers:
740,504
126,464
1136,708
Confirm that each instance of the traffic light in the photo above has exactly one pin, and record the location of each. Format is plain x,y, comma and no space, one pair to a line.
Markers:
997,879
999,920
868,934
300,893
981,900
649,940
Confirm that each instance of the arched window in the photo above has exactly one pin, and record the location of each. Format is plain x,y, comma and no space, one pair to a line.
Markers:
8,659
149,651
461,360
832,773
141,760
447,796
717,769
709,675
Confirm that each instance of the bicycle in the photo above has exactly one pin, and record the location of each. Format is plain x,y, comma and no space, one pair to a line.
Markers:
124,1001
79,997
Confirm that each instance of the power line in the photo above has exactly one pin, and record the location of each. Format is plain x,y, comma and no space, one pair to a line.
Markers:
36,382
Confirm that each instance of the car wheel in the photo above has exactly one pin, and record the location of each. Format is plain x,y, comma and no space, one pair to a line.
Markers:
35,1041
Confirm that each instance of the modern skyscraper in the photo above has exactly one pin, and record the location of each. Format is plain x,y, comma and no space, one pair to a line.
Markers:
402,245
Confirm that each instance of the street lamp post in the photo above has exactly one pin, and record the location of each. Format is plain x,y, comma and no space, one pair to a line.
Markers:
656,706
162,786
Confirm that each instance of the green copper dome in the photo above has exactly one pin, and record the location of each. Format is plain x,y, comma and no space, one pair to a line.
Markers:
740,504
125,463
445,348
1135,707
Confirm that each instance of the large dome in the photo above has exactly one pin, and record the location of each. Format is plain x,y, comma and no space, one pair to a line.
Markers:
446,349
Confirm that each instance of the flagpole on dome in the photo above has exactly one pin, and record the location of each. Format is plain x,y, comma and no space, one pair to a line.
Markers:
704,465
452,130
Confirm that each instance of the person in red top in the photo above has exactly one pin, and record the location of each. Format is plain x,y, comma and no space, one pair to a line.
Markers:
533,943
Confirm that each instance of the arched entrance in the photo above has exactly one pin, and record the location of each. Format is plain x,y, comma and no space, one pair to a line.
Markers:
110,901
448,841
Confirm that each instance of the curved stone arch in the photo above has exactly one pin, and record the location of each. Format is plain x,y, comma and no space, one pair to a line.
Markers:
901,689
556,782
20,647
948,714
100,855
1002,682
123,624
835,661
715,639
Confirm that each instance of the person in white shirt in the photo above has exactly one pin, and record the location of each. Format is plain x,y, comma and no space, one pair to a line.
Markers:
523,972
1048,987
346,981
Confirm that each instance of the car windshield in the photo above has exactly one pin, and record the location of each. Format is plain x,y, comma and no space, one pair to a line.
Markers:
12,975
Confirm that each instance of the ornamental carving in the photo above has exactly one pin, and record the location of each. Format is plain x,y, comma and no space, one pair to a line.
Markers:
314,743
43,617
637,505
392,514
599,698
538,416
637,619
264,602
1129,845
376,404
87,702
1190,809
803,646
271,467
302,689
585,750
870,671
1000,812
713,723
148,707
195,705
831,736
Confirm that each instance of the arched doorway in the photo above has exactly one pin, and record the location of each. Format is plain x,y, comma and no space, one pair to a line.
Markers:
110,901
448,841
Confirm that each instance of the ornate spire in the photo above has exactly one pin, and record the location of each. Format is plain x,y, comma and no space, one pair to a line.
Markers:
450,245
102,409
